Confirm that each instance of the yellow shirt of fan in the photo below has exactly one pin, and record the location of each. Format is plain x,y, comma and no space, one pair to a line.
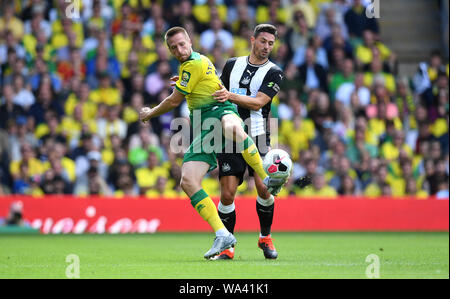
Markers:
198,81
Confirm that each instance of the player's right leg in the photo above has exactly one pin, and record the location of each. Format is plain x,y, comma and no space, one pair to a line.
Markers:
226,210
231,174
265,206
233,130
192,173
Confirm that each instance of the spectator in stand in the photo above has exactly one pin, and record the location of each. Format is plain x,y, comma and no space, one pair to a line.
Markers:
364,53
306,7
9,110
241,16
358,146
326,22
53,183
392,149
353,93
125,186
311,167
163,189
386,190
136,84
298,34
158,80
21,136
337,41
311,74
8,21
4,189
18,69
412,190
344,74
357,21
41,72
185,15
28,159
431,96
101,60
92,184
348,187
321,112
374,188
52,129
321,55
437,174
209,38
442,192
319,188
112,124
147,176
427,72
377,76
298,131
23,96
106,92
344,169
205,11
120,168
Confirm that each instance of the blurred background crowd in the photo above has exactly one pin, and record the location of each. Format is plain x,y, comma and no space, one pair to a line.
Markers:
73,78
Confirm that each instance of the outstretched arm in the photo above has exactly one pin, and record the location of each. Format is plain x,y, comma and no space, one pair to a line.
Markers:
168,104
243,101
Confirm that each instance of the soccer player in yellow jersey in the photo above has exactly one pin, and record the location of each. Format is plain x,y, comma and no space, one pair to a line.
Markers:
197,82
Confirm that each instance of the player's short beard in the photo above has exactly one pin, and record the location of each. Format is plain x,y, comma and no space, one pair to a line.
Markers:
259,55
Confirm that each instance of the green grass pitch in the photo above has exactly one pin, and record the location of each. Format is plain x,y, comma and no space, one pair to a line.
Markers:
180,255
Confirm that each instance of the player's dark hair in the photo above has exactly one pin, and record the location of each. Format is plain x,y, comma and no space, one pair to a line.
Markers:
174,30
265,28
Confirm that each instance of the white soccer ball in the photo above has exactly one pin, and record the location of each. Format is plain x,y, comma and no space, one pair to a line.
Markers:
277,163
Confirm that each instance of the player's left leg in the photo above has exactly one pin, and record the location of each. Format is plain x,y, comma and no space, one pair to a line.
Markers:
192,173
265,204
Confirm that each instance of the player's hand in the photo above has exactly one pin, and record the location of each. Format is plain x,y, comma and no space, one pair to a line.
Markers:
222,94
173,80
145,114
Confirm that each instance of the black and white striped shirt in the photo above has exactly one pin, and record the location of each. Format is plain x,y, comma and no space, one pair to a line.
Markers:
241,77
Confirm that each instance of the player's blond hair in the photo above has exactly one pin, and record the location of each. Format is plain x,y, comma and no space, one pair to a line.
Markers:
175,30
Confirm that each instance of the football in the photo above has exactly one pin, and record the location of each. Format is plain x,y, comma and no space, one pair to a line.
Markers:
277,163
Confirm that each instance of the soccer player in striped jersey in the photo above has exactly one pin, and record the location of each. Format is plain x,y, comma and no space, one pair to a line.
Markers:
250,82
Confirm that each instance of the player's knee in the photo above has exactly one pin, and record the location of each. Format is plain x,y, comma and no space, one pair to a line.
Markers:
230,125
228,128
187,183
263,192
227,197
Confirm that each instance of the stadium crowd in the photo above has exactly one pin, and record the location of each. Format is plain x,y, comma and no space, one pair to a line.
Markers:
72,86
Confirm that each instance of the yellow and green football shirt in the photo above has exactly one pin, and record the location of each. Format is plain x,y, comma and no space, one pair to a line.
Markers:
198,81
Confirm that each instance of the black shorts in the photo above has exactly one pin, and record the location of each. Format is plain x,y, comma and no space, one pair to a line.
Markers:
233,164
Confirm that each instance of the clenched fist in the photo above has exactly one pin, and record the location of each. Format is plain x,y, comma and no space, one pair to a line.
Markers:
144,114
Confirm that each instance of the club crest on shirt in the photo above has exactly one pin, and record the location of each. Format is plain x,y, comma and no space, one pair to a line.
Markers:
185,77
246,80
